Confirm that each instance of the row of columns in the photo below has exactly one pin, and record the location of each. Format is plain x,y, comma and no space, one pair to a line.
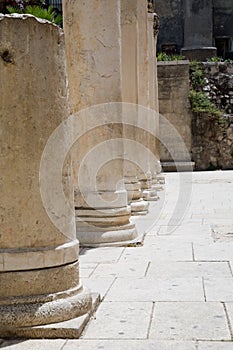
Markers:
110,59
70,85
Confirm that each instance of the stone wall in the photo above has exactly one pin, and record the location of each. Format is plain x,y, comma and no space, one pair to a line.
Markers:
171,16
209,139
212,141
173,83
213,136
196,24
219,84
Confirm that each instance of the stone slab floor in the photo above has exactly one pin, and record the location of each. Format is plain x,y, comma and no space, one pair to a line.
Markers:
175,291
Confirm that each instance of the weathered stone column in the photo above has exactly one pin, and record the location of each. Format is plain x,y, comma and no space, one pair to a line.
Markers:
149,193
93,42
198,30
129,41
39,271
153,27
153,95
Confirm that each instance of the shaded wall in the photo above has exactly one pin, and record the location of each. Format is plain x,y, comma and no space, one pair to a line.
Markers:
171,23
173,86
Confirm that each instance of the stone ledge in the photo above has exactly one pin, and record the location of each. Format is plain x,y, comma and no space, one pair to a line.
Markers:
173,63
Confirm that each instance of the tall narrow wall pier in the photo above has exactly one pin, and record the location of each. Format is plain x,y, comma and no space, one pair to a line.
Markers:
173,83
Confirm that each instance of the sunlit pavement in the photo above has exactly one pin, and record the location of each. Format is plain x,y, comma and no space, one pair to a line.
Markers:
176,291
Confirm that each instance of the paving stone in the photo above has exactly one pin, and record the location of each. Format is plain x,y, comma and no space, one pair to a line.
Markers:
86,269
88,266
85,273
114,320
145,224
188,269
122,269
187,233
33,344
156,249
127,345
98,285
151,289
214,251
189,321
219,289
218,221
100,255
215,345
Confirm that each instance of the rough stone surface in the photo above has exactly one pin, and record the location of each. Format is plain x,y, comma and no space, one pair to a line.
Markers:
212,141
173,87
39,270
208,138
213,136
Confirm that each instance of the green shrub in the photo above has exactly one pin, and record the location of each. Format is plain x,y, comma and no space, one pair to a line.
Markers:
200,103
215,59
39,12
162,56
196,75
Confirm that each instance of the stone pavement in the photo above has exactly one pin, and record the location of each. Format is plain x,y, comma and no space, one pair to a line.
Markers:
175,291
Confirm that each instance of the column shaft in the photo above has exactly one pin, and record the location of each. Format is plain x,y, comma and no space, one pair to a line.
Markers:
93,45
39,273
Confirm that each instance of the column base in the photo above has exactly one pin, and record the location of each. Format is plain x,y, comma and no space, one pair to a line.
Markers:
150,194
155,184
105,227
139,207
161,179
70,329
109,236
20,315
158,187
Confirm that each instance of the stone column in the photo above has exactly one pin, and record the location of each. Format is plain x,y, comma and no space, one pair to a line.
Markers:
93,45
39,271
129,41
153,92
153,28
198,30
149,193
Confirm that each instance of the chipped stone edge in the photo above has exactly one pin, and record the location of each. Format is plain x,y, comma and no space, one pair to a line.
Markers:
25,16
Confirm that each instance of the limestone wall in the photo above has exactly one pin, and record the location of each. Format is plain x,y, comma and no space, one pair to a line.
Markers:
209,139
212,146
173,83
219,84
213,136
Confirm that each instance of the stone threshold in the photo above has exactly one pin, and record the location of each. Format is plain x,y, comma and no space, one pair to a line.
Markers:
71,329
